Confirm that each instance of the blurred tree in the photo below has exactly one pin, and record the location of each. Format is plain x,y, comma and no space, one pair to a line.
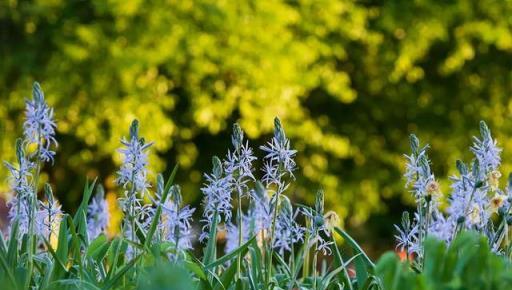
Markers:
349,79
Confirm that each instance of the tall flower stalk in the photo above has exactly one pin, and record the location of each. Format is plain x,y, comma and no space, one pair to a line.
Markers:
238,168
133,177
217,199
20,182
36,148
278,169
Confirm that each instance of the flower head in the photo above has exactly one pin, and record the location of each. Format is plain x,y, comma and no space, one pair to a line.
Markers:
321,226
288,231
217,197
20,175
407,238
486,151
279,158
176,221
260,211
97,215
19,209
494,179
134,171
232,236
497,201
39,126
49,216
238,164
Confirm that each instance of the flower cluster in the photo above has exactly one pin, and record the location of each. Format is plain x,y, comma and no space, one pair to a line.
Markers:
39,126
238,163
49,216
474,199
22,188
233,237
33,217
279,162
176,221
217,198
320,224
97,215
133,170
288,231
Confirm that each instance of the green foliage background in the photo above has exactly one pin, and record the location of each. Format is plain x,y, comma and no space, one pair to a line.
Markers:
349,79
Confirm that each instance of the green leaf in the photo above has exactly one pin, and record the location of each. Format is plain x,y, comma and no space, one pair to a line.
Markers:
227,277
62,246
353,244
7,268
113,255
170,180
111,282
211,247
98,248
242,250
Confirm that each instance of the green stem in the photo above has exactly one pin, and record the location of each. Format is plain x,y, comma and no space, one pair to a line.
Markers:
240,241
305,268
33,205
272,233
315,261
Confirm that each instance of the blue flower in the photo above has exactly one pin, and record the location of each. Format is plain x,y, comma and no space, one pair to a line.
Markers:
49,216
232,236
486,151
288,231
133,170
217,197
238,164
176,221
22,189
97,215
279,159
39,126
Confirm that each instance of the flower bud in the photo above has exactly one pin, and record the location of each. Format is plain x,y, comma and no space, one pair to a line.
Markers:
331,220
496,202
494,179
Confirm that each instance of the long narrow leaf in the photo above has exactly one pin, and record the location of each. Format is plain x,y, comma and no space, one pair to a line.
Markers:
240,250
111,282
355,246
